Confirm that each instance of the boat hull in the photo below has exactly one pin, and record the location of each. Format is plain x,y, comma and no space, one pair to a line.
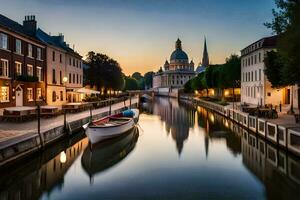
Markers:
96,134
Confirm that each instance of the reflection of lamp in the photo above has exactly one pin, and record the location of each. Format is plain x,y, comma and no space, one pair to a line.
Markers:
63,157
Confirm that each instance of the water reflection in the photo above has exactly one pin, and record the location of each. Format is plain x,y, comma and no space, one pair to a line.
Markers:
180,117
238,164
278,170
42,173
108,153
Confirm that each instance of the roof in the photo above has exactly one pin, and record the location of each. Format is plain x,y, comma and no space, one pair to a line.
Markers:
266,42
55,41
15,27
178,54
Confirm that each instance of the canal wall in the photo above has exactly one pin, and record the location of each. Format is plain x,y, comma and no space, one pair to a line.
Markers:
285,135
20,147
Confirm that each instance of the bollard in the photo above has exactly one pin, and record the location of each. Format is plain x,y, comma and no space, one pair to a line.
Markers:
39,125
91,114
65,119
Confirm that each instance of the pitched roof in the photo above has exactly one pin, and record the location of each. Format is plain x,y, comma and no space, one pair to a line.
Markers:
55,41
15,27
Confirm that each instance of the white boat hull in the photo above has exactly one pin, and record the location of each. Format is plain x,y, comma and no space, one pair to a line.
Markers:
96,134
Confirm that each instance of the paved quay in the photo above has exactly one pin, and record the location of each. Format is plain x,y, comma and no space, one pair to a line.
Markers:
9,130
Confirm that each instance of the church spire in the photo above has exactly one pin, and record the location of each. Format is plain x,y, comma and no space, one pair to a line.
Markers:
205,58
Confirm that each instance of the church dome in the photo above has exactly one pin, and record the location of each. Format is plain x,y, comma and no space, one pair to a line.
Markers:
178,54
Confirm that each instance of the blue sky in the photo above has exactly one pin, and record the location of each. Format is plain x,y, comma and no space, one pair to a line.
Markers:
140,34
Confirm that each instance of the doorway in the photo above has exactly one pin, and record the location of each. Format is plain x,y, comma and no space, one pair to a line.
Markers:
287,97
299,98
19,96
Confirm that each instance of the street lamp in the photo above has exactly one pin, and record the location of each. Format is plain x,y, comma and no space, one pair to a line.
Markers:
65,79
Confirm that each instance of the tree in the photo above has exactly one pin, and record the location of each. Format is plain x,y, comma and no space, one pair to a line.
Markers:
148,79
274,69
137,76
130,83
188,86
103,72
286,23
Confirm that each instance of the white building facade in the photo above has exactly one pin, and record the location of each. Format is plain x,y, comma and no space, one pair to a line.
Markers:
176,73
255,87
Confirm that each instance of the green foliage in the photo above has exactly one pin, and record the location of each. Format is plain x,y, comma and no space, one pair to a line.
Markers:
148,79
232,72
103,71
130,83
188,86
137,76
274,69
286,23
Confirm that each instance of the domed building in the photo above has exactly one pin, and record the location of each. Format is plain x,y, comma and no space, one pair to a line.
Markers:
175,73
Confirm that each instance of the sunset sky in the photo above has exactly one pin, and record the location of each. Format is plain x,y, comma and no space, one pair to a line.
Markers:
140,34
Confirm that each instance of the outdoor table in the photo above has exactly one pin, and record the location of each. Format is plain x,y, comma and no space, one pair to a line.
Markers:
49,110
19,113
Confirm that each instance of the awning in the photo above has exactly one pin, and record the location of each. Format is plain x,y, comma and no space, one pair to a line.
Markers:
87,91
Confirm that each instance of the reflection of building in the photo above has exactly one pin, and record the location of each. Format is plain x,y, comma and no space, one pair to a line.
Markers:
178,119
255,88
279,172
41,174
176,73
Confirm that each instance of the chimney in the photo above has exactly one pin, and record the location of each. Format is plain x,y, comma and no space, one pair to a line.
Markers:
30,24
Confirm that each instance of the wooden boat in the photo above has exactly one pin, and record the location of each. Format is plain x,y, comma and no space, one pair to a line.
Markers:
104,155
111,126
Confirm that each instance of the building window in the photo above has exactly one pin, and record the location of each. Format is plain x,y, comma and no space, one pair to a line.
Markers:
269,94
18,46
255,75
73,78
29,70
259,74
3,41
39,53
80,79
77,79
80,64
38,93
4,94
53,55
77,63
53,76
39,73
61,95
29,50
259,57
18,68
70,62
70,78
74,62
4,68
29,94
60,77
60,58
53,96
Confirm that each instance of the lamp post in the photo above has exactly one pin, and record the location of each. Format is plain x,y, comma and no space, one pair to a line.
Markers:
65,80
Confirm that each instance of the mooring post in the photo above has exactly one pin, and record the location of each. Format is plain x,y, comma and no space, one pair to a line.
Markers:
65,119
129,100
109,103
91,113
39,125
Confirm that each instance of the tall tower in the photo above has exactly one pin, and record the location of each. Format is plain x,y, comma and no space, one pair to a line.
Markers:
205,58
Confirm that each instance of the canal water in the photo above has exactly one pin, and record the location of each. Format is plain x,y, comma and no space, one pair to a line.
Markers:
177,152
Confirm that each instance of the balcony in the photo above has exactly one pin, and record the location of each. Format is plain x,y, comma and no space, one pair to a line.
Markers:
27,78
